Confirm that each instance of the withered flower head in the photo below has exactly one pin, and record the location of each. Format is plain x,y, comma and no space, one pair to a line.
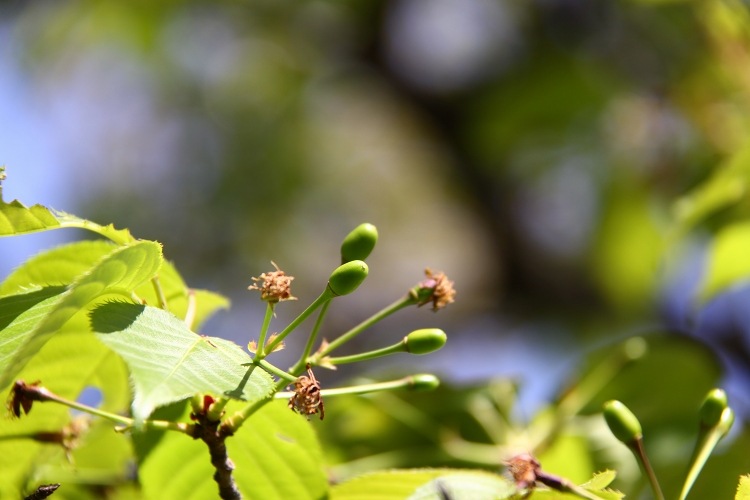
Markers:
274,286
22,396
441,287
524,469
306,399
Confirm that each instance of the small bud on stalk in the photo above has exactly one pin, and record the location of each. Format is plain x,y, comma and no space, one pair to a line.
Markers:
425,340
347,277
712,407
621,421
359,243
424,382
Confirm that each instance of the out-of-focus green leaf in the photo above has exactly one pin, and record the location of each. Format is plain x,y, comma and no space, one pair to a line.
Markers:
168,362
276,456
628,248
120,272
475,485
569,457
665,387
726,187
728,260
743,489
70,361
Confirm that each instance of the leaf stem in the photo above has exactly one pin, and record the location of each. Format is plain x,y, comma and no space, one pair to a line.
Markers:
273,370
191,309
364,356
264,330
406,300
402,383
300,365
160,293
708,438
233,423
45,395
322,299
640,452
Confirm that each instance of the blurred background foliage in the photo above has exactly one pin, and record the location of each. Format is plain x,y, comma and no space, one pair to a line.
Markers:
533,150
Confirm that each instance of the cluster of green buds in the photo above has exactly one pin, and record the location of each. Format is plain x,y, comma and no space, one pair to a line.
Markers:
275,286
716,419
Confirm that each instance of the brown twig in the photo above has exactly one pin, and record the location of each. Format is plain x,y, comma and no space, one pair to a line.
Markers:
43,491
210,432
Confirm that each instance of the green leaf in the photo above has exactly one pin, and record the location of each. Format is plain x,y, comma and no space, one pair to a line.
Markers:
728,260
423,484
120,272
176,294
600,480
466,486
743,489
276,456
61,266
168,362
71,360
726,187
16,219
57,266
386,485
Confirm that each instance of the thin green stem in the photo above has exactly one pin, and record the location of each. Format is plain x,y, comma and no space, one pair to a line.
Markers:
127,422
322,299
234,422
302,362
191,309
406,300
217,408
364,356
273,370
708,438
640,453
264,330
160,293
359,389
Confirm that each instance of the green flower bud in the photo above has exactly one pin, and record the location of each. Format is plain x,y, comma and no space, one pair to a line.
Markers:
347,277
621,421
712,407
359,243
726,421
424,382
425,340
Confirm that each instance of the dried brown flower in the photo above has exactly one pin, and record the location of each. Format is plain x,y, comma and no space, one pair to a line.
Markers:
306,399
524,469
442,289
275,286
22,396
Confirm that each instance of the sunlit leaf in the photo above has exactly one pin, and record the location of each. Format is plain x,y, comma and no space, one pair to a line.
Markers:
469,485
743,489
728,261
119,272
70,361
168,362
424,484
57,266
276,456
